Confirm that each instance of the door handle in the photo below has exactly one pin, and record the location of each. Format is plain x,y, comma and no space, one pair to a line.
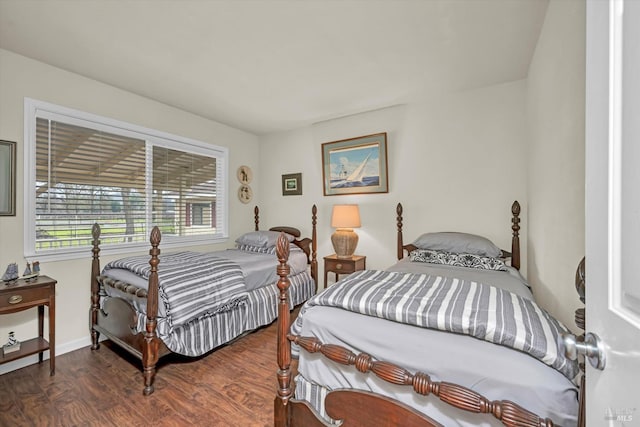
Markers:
588,345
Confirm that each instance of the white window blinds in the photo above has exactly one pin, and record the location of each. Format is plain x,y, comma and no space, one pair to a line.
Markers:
85,176
182,181
124,180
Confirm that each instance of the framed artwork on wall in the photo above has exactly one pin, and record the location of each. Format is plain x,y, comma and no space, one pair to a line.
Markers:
292,184
355,165
7,178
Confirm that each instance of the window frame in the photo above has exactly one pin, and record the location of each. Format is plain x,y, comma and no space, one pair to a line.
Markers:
34,109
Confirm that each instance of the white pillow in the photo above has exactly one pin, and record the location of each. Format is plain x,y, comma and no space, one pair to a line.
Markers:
261,239
458,243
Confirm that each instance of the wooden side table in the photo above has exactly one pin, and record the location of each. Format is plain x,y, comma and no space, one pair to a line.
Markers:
22,295
343,265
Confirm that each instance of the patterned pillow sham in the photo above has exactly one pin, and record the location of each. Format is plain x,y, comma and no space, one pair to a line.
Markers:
458,260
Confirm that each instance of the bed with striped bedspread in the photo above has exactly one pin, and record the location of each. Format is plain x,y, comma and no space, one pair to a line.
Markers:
205,301
452,305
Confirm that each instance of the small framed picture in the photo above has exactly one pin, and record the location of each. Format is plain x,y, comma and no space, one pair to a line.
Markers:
292,184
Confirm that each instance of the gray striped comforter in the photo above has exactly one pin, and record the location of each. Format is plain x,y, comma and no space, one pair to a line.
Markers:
191,284
207,332
452,305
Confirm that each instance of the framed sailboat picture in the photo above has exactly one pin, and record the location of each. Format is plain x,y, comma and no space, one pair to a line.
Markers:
355,165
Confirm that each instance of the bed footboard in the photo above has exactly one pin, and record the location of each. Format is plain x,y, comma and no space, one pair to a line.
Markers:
290,413
117,320
509,413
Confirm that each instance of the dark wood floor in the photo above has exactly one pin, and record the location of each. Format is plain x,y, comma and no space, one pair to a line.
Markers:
232,386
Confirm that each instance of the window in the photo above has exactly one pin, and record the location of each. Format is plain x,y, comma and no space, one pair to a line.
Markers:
87,169
200,214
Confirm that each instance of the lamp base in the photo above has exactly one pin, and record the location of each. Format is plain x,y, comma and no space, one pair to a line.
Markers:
344,242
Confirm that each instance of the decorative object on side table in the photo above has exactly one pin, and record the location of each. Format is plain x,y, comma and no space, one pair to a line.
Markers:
12,345
344,218
11,273
30,273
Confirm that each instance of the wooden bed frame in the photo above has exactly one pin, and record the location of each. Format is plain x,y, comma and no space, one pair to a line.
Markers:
122,318
359,408
514,255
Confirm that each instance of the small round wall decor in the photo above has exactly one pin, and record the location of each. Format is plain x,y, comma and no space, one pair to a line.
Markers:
244,174
245,194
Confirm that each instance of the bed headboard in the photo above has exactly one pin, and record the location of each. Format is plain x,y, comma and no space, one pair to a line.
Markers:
289,230
308,245
514,255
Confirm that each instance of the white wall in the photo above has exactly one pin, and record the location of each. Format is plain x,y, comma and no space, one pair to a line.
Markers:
455,163
556,152
21,77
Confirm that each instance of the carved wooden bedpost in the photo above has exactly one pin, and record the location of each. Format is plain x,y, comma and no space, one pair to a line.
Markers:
281,418
401,247
95,287
314,244
580,323
256,217
515,239
151,340
400,250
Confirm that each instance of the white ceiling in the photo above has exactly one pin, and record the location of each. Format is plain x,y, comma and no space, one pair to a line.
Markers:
270,65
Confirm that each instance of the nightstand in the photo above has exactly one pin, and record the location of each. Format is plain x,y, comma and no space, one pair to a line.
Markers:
343,265
22,295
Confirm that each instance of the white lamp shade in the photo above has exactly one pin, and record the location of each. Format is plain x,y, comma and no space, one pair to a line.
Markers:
345,216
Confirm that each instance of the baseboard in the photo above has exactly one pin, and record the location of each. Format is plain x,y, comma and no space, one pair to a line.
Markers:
32,360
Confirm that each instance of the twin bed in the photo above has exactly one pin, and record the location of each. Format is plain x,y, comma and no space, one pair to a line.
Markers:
195,301
448,333
451,332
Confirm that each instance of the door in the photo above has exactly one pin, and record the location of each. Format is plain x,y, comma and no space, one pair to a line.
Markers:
613,209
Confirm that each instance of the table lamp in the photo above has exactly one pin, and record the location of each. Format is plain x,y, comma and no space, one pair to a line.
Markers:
345,218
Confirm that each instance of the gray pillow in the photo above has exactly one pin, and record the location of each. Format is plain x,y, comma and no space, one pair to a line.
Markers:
261,239
458,243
